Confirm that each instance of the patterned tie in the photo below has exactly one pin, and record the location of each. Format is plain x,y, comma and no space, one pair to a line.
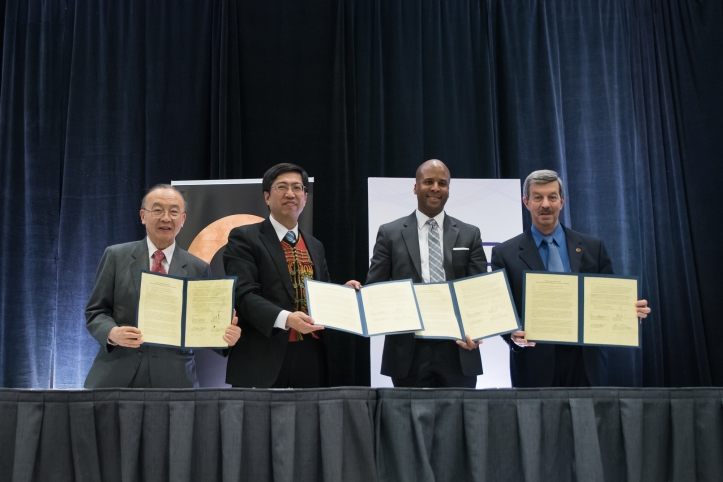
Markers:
554,262
157,267
436,271
290,237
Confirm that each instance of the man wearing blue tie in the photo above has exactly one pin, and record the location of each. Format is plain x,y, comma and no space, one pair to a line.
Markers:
281,347
549,246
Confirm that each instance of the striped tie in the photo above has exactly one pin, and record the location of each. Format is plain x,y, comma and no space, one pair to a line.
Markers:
436,271
290,237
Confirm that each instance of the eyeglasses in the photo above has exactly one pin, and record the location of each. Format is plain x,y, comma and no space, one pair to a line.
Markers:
159,213
283,188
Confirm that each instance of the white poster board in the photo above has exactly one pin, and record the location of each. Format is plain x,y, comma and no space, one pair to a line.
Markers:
493,205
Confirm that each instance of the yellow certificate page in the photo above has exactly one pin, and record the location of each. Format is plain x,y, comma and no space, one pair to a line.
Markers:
390,307
334,306
160,309
435,305
551,307
610,316
209,308
485,305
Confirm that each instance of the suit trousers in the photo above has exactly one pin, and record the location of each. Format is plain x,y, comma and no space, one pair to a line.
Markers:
435,364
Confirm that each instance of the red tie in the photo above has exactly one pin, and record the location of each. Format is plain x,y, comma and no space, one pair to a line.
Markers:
158,256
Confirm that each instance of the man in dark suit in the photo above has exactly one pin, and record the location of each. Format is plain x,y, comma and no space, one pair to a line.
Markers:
123,361
280,347
429,246
548,245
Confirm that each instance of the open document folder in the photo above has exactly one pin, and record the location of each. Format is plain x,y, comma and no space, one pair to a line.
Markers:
581,309
376,309
479,306
183,312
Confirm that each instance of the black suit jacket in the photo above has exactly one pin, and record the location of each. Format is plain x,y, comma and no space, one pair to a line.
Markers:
535,366
254,255
396,256
114,302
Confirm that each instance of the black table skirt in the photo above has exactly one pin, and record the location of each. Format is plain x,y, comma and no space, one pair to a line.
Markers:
361,434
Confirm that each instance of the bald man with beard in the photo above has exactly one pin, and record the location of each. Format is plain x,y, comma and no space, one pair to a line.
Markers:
429,246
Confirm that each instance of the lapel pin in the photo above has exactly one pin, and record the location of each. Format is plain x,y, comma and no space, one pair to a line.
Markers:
578,250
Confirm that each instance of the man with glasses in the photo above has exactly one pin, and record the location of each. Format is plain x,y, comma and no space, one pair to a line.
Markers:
281,347
123,361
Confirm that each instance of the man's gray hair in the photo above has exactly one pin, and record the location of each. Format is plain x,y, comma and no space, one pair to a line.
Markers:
163,186
543,176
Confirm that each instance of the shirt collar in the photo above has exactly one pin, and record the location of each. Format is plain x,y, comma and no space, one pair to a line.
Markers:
168,252
558,235
281,230
422,219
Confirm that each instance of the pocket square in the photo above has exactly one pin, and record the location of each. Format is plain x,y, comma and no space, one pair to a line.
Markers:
460,249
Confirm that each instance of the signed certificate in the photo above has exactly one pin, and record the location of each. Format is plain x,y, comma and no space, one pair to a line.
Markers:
479,306
209,310
610,316
376,309
589,309
184,313
551,310
160,309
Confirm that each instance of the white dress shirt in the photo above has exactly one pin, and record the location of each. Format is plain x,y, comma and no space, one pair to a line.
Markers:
166,263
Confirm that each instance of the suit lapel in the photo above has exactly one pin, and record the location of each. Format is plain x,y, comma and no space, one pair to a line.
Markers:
141,261
178,263
529,253
268,237
450,238
574,249
410,234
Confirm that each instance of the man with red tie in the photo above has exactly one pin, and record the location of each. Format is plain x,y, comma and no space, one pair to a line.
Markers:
122,360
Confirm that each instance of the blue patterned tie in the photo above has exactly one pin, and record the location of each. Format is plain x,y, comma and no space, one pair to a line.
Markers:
290,237
554,262
436,271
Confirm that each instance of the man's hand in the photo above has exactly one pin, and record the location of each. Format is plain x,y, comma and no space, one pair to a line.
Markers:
301,322
127,336
354,284
518,337
233,331
469,344
643,310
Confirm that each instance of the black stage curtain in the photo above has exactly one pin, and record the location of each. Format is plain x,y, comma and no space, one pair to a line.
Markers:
187,435
357,434
101,99
590,435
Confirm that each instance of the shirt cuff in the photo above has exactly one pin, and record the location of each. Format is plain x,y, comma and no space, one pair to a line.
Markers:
281,320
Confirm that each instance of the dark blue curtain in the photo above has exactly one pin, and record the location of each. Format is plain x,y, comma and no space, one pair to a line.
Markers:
101,99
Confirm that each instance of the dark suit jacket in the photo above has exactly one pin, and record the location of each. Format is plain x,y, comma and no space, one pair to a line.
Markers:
254,255
114,302
396,256
535,366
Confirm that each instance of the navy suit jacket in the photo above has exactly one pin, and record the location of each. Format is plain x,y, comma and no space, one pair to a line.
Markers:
535,366
114,302
254,255
396,256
